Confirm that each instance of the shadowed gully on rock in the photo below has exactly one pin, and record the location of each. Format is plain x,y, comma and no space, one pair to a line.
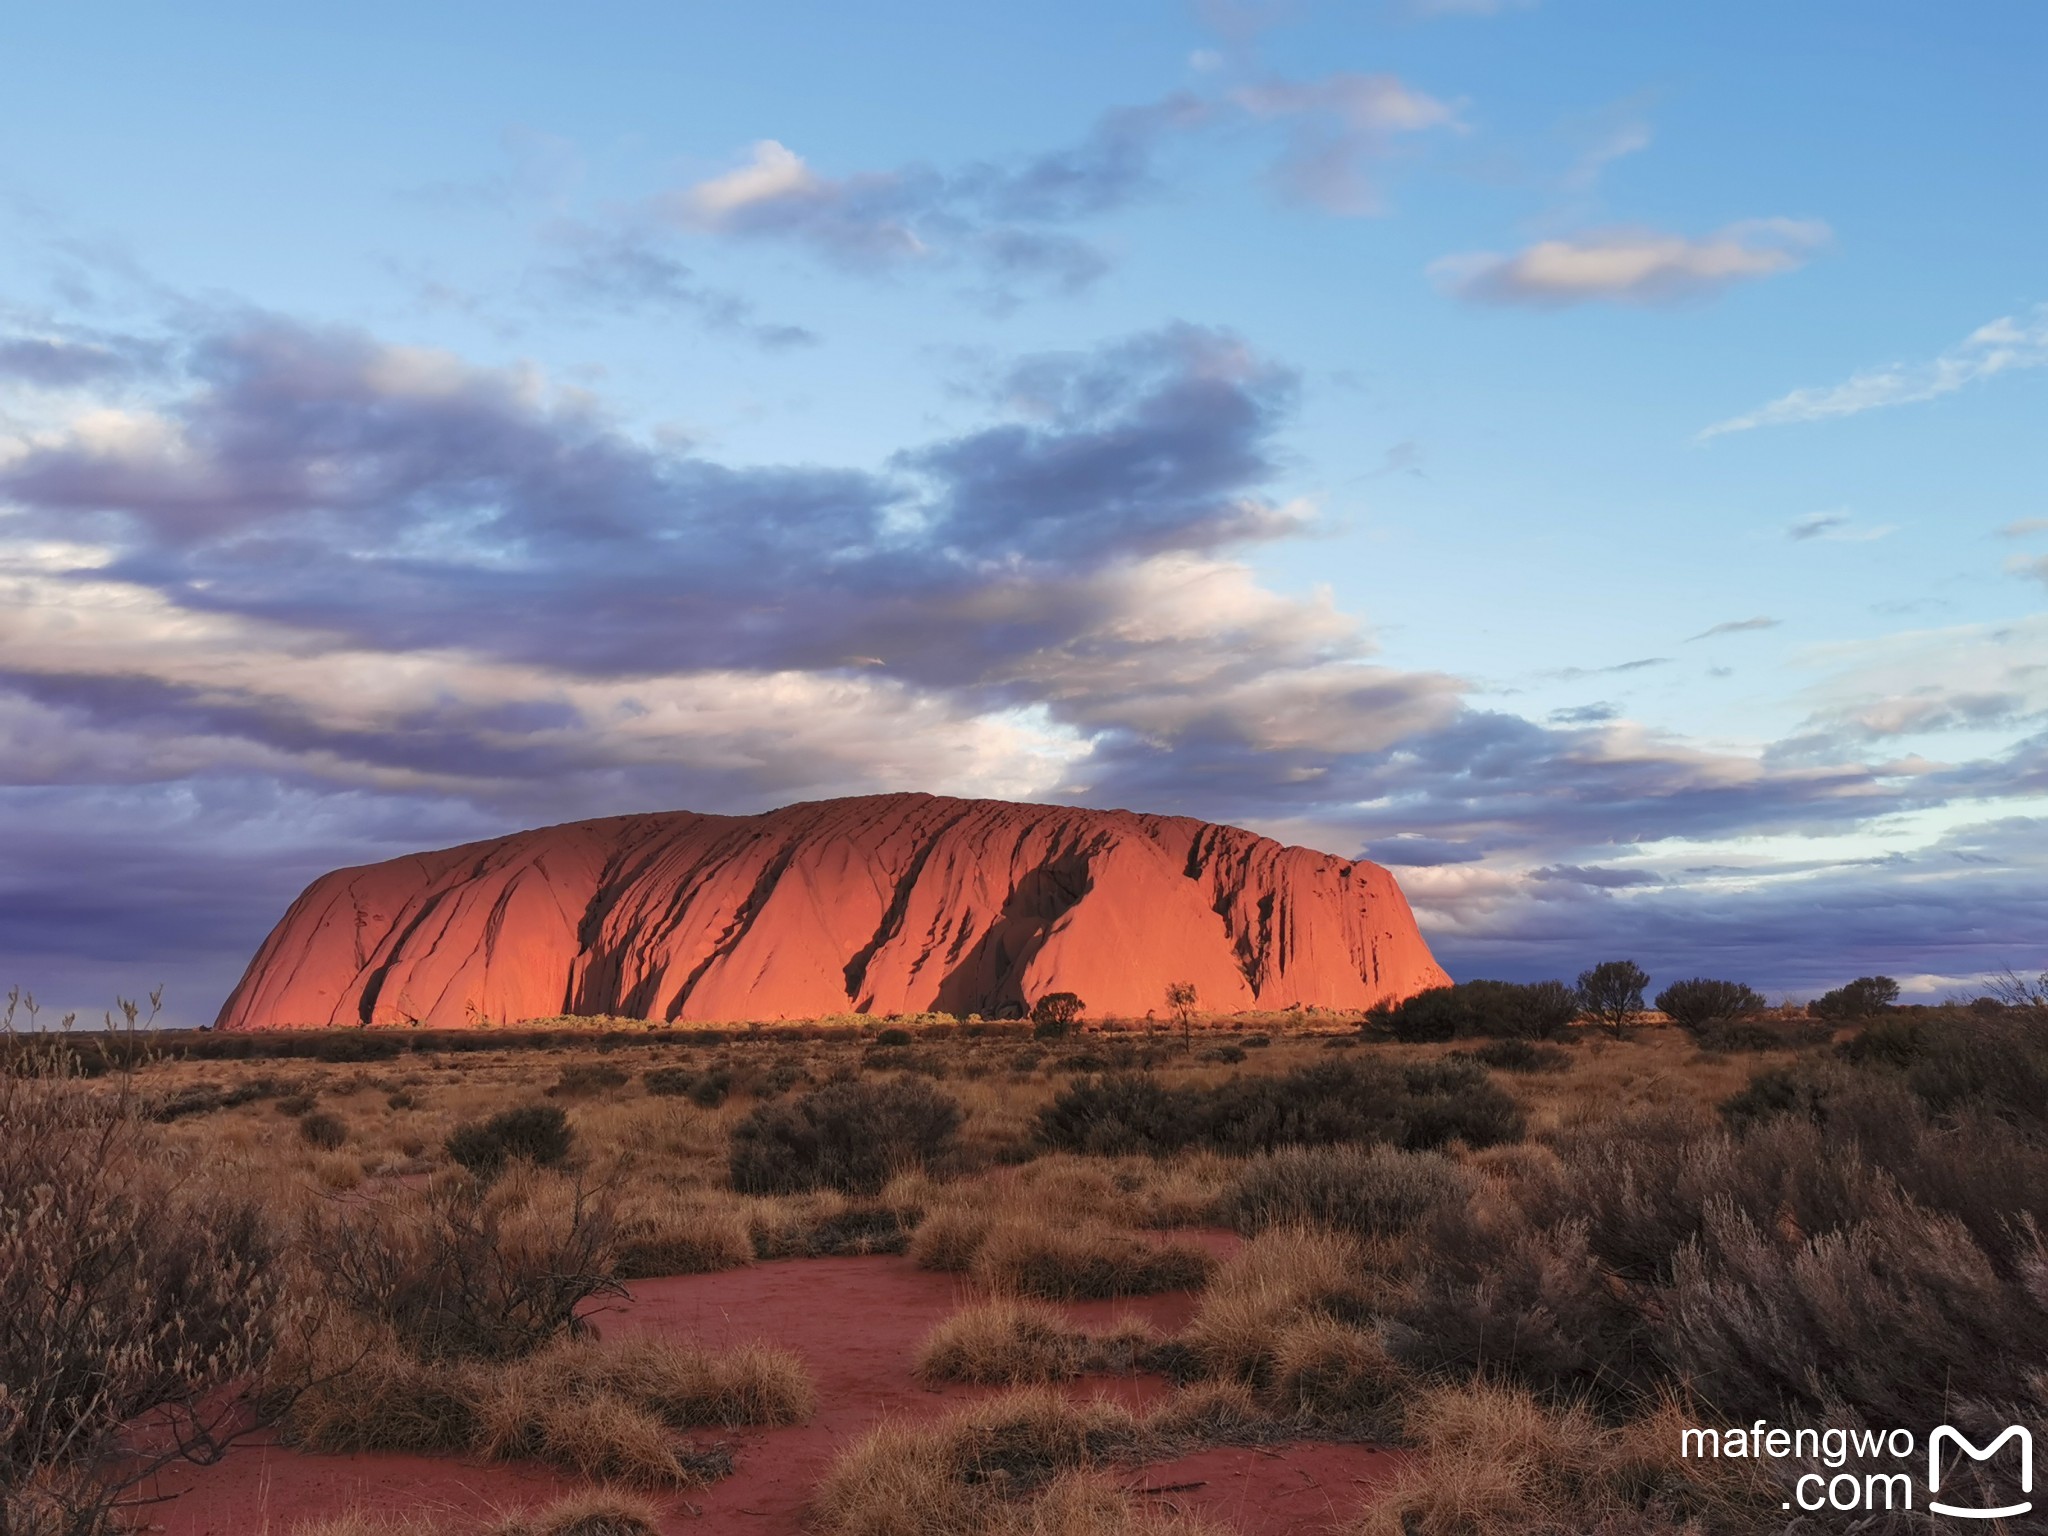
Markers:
879,904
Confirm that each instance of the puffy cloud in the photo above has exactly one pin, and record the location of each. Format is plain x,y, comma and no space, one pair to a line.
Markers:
1008,219
2007,344
1632,266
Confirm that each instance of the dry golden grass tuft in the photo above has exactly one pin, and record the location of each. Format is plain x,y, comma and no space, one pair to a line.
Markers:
1210,1413
1089,1260
610,1410
1010,1342
1014,1239
1010,1465
1493,1461
673,1232
591,1512
1292,1316
356,1523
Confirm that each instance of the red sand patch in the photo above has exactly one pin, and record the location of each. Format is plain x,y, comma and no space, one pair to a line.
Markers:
857,1323
1282,1490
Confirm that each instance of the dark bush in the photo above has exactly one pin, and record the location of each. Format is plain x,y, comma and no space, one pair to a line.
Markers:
1757,1035
1423,1104
1700,1001
1863,998
1122,1113
712,1088
1773,1092
1229,1055
1965,1064
1535,1010
1454,1100
584,1077
1054,1015
297,1103
328,1132
1538,1010
207,1098
1437,1014
668,1082
894,1036
1514,1054
850,1136
534,1133
465,1270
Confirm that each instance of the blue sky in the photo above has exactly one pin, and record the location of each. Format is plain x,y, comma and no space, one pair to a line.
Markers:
1587,456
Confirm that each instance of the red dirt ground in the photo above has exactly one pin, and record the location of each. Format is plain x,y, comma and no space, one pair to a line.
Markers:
857,1323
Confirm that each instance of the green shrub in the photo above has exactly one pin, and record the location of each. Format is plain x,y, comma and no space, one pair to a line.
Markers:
534,1133
326,1131
851,1137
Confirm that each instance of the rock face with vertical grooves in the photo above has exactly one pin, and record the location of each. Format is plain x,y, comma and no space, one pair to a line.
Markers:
881,904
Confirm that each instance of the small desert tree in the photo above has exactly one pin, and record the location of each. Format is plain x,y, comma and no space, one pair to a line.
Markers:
1056,1013
1181,998
1612,992
1863,998
1698,1002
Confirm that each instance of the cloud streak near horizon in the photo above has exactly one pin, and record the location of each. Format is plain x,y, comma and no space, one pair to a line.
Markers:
2008,344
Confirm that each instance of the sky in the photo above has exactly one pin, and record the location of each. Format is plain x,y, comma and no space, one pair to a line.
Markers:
1589,457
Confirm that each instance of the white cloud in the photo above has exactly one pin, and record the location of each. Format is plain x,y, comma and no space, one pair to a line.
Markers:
773,173
1631,266
2006,344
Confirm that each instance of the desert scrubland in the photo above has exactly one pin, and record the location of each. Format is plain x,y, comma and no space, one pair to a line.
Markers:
916,1276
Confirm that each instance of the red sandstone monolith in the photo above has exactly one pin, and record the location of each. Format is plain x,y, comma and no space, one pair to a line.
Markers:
882,904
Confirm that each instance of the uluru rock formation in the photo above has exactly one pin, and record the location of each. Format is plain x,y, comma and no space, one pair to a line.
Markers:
881,904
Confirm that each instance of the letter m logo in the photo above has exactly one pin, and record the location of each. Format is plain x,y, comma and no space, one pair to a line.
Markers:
2017,1432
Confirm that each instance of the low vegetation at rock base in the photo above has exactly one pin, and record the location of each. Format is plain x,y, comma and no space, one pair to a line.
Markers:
1526,1253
